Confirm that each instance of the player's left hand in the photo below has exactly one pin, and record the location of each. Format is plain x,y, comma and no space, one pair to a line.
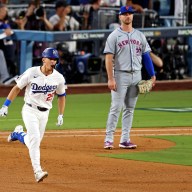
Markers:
59,120
3,111
145,86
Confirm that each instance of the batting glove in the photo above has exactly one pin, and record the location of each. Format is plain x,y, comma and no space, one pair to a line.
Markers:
3,111
59,120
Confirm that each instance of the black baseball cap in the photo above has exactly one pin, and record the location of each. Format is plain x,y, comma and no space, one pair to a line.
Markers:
61,3
126,9
62,46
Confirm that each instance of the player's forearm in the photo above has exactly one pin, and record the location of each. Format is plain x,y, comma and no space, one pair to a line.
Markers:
109,69
109,66
13,93
61,105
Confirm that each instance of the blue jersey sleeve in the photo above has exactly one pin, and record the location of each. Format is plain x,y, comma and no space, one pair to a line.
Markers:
147,61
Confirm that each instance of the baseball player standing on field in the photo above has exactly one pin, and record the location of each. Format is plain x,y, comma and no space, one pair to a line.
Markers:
124,51
41,83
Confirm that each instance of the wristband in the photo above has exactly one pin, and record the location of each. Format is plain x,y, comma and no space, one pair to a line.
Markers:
7,102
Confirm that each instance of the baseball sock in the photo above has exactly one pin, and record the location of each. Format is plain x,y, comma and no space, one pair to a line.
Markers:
19,136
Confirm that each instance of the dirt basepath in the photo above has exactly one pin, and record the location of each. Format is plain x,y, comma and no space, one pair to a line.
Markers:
73,162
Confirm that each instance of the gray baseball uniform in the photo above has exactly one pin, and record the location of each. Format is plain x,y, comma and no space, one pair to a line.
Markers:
127,49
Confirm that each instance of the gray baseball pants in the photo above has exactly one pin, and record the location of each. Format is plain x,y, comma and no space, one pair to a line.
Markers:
124,99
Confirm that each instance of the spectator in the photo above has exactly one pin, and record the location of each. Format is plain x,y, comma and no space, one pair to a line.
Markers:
4,74
65,65
6,44
176,9
35,18
92,18
88,14
173,8
17,19
78,2
111,3
149,18
140,6
80,9
63,21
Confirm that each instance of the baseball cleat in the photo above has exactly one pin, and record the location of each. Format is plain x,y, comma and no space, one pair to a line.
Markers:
127,145
13,135
108,145
40,175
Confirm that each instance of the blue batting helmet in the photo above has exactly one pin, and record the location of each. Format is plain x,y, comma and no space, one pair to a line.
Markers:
50,53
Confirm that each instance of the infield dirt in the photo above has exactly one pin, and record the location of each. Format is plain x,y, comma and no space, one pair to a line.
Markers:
74,165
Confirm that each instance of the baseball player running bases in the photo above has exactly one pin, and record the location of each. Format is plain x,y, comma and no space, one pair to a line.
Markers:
41,83
124,51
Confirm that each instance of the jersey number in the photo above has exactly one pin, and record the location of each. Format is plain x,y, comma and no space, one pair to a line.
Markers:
50,97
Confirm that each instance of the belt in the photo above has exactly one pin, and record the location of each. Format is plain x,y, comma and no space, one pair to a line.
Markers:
37,107
124,71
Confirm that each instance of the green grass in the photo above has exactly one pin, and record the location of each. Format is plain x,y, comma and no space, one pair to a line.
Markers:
168,99
90,111
180,154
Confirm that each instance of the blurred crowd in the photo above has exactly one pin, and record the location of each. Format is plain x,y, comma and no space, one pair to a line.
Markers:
66,15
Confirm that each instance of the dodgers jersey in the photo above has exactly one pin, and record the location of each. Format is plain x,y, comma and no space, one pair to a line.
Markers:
127,49
40,89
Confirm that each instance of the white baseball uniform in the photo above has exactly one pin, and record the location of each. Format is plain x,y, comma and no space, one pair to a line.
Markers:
39,93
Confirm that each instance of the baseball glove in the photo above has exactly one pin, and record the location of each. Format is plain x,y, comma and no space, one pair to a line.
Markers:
145,86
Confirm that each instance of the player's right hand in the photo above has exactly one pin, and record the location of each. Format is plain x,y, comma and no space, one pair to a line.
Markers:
112,85
3,111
